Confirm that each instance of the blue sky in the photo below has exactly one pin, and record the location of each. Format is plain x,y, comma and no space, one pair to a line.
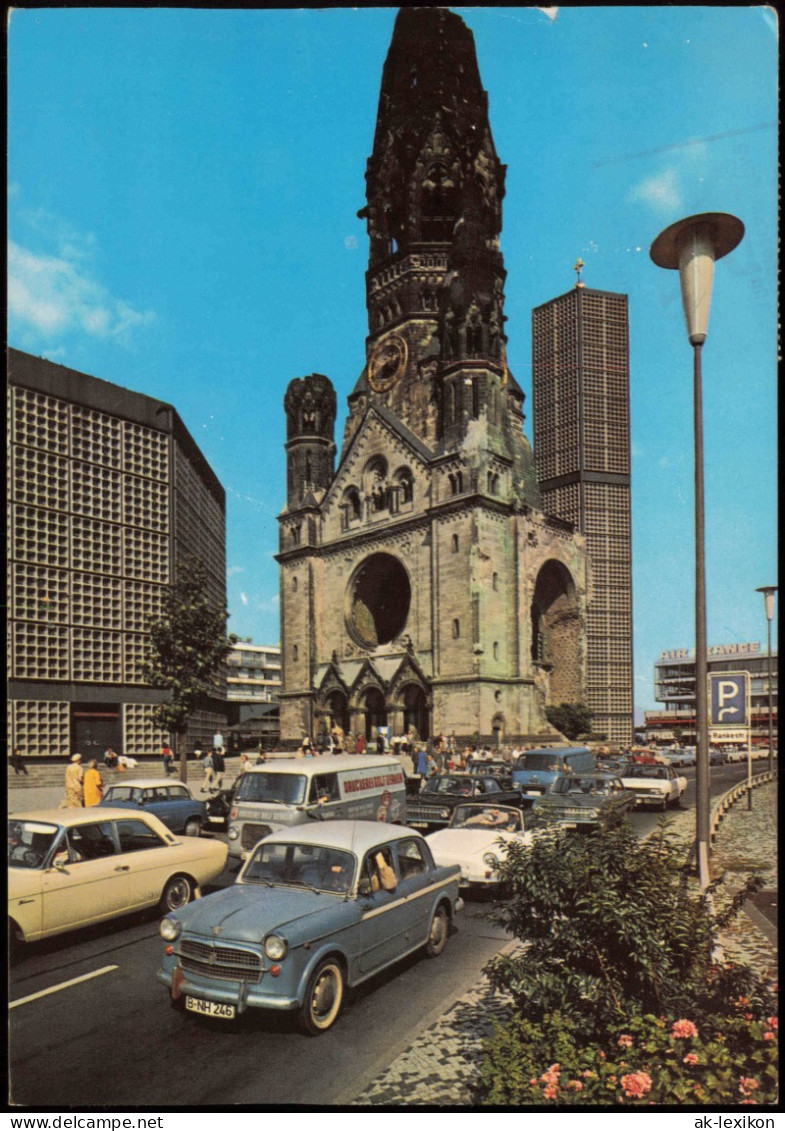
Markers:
182,212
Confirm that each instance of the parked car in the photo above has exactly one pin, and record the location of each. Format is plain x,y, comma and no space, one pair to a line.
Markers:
68,868
475,840
171,802
736,754
717,756
654,785
433,807
680,756
536,771
585,801
496,767
315,908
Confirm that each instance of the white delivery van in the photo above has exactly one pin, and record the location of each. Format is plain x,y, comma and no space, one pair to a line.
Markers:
293,791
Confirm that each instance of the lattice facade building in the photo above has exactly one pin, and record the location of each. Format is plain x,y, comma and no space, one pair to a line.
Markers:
581,387
107,494
422,585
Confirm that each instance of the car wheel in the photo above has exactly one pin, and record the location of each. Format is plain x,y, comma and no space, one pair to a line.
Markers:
323,998
178,892
193,827
437,934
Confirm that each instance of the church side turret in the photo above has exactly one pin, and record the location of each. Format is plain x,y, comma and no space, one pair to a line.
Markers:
310,407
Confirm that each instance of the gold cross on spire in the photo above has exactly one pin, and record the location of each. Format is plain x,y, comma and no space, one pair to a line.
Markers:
579,265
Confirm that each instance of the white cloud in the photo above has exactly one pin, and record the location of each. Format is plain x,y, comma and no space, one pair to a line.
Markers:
56,294
661,191
232,570
244,598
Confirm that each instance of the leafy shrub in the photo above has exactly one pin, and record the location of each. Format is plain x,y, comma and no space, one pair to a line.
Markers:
618,994
614,926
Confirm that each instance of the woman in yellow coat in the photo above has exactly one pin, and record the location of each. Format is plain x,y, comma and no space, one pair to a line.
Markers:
93,784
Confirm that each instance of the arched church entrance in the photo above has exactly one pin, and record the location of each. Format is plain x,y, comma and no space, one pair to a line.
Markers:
338,711
375,712
415,712
555,626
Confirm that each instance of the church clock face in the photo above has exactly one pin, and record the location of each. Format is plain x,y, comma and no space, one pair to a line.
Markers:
387,363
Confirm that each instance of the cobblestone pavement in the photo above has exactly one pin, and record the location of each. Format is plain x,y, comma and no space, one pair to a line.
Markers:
440,1067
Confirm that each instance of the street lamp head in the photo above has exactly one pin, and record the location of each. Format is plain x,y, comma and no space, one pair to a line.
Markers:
768,592
692,246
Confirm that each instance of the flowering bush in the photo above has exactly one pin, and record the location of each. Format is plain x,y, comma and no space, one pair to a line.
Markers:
727,1061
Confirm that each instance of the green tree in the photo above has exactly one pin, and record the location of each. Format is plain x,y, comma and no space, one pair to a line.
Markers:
188,644
572,719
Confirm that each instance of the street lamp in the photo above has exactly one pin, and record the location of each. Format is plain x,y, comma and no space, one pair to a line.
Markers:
768,592
692,246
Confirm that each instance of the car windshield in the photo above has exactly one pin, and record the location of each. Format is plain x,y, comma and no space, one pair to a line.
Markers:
29,843
284,789
588,785
449,784
643,771
300,865
539,761
486,817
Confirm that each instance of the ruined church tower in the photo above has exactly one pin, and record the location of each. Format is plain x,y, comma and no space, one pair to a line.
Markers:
422,587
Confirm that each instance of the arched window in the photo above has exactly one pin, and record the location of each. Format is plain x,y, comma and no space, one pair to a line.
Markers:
456,629
455,544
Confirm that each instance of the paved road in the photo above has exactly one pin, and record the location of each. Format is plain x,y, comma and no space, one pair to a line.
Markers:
113,1040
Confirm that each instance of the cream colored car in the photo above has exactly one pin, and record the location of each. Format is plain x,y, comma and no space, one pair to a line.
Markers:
68,868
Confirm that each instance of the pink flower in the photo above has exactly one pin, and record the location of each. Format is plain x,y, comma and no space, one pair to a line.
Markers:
587,1073
747,1085
691,1058
769,1037
683,1029
636,1084
576,1085
625,1041
551,1092
774,1022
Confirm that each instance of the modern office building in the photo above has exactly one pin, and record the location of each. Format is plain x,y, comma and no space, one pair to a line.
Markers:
674,686
581,392
107,495
253,683
422,584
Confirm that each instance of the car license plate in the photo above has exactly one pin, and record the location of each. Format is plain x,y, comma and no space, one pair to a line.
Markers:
209,1008
418,824
533,793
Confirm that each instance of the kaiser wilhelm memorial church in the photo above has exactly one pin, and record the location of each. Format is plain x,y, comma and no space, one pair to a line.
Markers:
422,582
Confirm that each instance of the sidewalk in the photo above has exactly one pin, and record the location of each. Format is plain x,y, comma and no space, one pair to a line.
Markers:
441,1065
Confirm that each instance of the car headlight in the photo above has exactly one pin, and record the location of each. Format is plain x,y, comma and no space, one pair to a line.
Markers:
490,860
444,813
275,947
169,929
233,833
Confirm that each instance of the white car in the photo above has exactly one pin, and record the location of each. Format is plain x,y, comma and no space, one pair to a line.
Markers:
472,840
660,786
68,868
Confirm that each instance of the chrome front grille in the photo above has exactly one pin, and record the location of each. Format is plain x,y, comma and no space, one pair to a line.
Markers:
252,833
220,961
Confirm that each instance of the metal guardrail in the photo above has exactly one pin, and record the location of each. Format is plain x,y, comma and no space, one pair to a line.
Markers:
723,804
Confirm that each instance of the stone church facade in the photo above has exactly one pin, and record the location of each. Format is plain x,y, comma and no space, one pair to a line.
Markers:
421,584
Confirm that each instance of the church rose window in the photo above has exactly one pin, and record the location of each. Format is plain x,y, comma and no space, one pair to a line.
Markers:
379,599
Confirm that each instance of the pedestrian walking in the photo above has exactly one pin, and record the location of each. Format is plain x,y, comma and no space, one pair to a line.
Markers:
15,759
207,764
219,768
167,756
74,784
93,784
218,741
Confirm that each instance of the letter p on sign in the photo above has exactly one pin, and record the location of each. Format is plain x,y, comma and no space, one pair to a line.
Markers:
729,699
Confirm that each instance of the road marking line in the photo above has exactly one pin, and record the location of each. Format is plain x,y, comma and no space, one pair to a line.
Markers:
62,986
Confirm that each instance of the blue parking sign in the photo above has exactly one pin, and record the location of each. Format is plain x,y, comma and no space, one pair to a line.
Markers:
728,695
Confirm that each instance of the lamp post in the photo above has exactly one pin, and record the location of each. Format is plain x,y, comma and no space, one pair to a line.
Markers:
692,246
768,592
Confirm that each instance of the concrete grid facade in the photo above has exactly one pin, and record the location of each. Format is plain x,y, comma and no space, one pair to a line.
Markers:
107,494
581,389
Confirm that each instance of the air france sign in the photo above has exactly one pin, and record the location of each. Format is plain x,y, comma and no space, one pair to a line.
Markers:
729,699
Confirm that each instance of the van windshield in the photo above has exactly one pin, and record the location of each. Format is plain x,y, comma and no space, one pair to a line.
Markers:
285,789
538,761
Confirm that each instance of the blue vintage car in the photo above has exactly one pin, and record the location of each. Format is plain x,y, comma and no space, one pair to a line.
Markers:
171,802
314,909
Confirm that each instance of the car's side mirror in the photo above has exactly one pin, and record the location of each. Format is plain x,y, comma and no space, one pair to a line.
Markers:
364,887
